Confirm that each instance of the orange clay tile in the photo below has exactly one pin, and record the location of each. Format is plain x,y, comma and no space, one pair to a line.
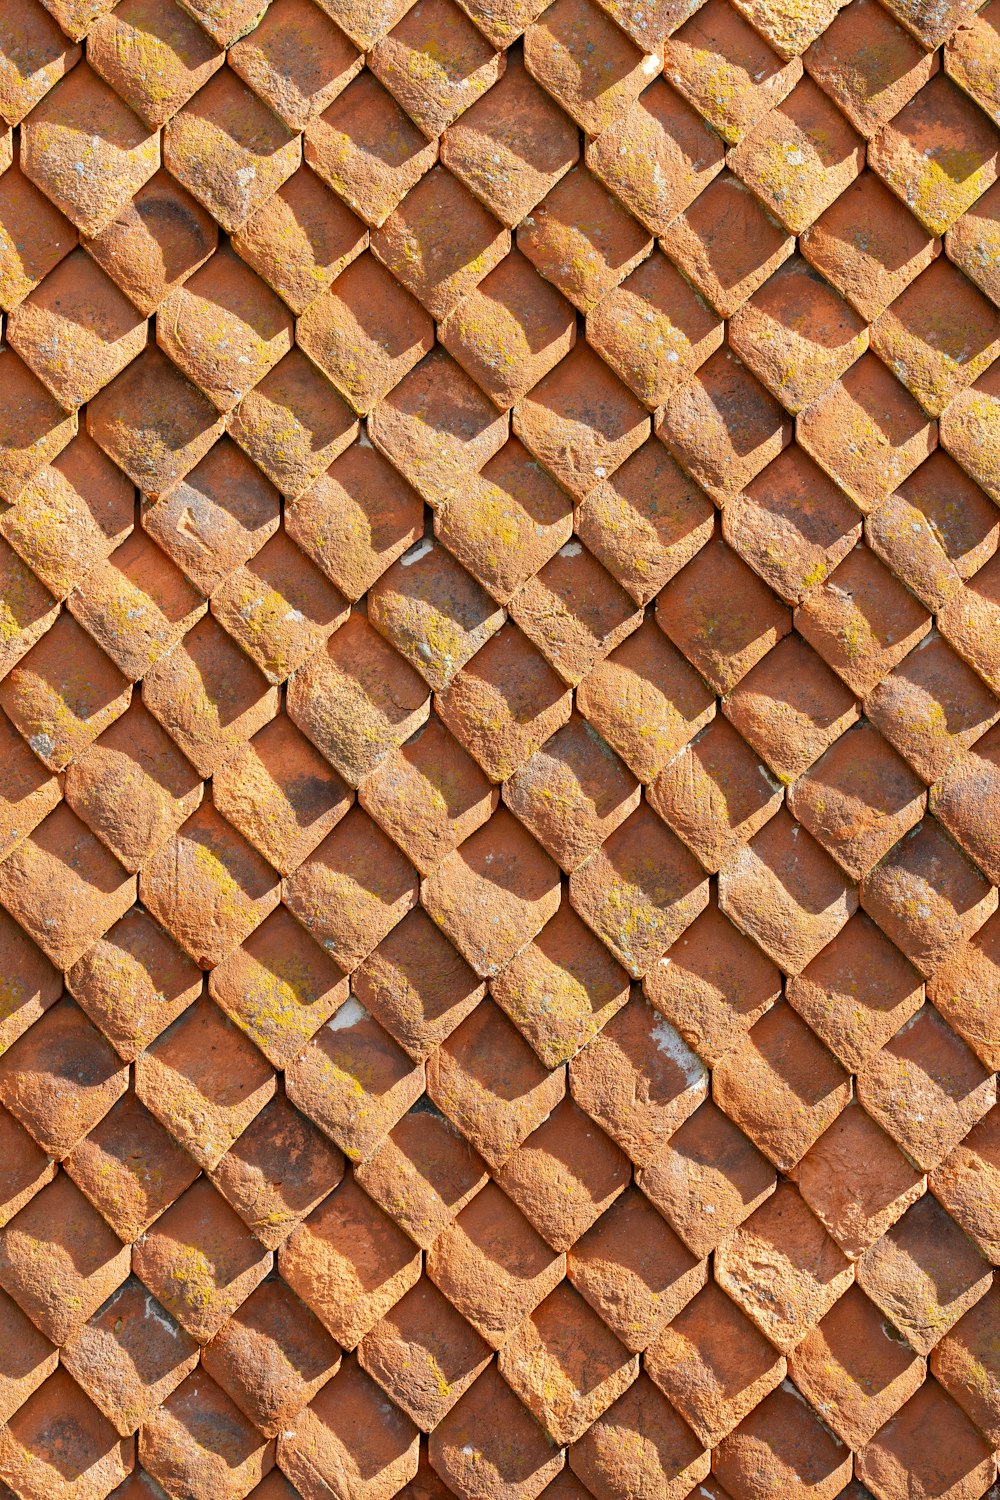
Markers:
457,896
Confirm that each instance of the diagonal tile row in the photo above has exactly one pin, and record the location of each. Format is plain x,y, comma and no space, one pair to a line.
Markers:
500,711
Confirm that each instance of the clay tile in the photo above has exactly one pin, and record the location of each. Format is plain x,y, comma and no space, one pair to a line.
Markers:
280,608
488,1082
129,1356
200,1261
61,1078
869,66
654,330
506,524
723,427
939,336
59,1260
870,266
157,240
789,28
355,520
856,1368
33,427
564,1176
136,605
727,70
713,1365
727,243
926,1088
349,1263
797,334
277,1171
645,522
969,58
29,614
203,1070
646,701
808,1271
927,896
971,242
229,150
965,991
938,154
656,156
503,21
351,1435
856,993
357,700
857,1182
639,891
130,1168
281,794
199,1441
422,1176
924,1274
858,799
59,1446
353,1081
209,697
640,1446
365,333
28,1170
510,330
37,1359
293,424
433,612
965,1363
429,796
969,622
32,983
153,423
34,237
593,793
722,640
224,20
969,429
581,239
366,149
712,985
639,1080
928,540
437,427
436,64
790,708
34,55
424,1356
649,22
574,612
28,792
296,60
512,146
783,1449
272,1335
492,1266
352,890
633,1270
82,114
707,1179
417,986
154,56
488,1446
133,983
64,888
930,1443
800,157
565,1365
301,239
932,707
71,515
715,795
586,63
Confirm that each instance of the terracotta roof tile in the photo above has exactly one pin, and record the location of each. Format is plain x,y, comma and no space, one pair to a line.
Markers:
640,1446
963,990
435,615
929,1442
965,1365
29,1170
424,1355
34,237
199,1440
130,1168
581,238
34,55
38,1359
296,60
157,240
489,1445
87,1448
34,428
153,56
61,1078
417,986
783,1447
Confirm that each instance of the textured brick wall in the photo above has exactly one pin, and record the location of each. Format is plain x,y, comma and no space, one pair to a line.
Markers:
499,750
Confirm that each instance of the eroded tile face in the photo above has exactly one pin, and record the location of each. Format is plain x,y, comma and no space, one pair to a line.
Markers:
499,749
